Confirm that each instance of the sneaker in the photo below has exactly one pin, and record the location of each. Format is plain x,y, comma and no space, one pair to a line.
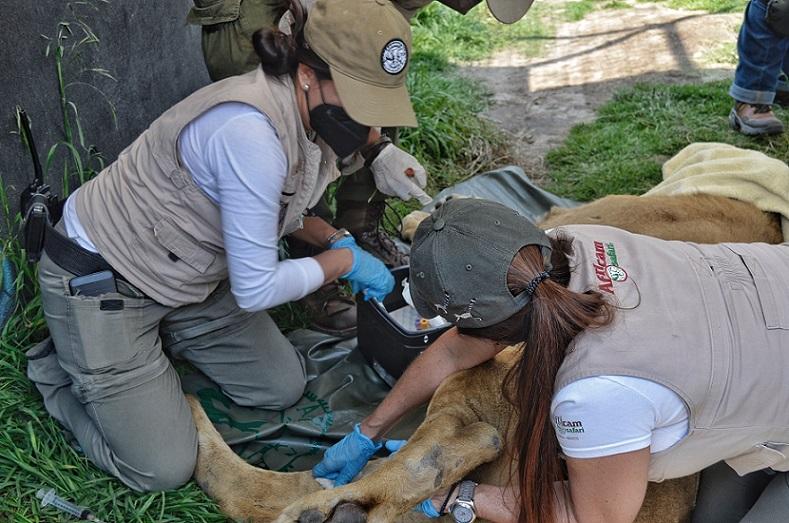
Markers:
331,310
363,220
754,120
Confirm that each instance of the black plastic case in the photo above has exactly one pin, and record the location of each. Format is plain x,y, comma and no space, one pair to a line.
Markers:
388,348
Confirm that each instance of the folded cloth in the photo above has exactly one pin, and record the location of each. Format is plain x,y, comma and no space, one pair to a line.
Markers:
724,170
410,222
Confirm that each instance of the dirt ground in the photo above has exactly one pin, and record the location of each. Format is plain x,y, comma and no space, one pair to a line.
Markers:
538,100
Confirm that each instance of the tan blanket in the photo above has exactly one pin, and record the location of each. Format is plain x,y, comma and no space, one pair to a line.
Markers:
724,170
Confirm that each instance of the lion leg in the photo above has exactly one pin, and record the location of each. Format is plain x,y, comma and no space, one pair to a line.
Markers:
444,449
242,491
672,500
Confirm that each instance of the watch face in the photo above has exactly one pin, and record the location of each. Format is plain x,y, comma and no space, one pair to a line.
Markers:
462,514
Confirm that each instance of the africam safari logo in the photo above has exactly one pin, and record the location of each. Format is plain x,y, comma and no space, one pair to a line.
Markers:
564,426
606,266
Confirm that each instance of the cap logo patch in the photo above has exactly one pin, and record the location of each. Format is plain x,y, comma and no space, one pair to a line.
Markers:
394,56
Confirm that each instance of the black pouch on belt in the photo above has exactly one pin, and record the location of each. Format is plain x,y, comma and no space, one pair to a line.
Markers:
777,17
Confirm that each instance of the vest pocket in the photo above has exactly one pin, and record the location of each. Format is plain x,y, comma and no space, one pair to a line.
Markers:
210,12
182,247
770,454
775,311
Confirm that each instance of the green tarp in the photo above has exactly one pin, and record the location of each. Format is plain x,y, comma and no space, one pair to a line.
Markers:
342,389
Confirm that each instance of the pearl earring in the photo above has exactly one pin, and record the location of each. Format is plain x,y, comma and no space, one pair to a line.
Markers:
306,87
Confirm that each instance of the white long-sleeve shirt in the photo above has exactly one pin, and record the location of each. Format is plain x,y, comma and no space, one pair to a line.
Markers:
235,158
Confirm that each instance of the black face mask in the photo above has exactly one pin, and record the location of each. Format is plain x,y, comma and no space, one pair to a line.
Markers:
338,130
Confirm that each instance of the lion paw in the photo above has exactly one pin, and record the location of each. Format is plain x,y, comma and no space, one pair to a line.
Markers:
327,506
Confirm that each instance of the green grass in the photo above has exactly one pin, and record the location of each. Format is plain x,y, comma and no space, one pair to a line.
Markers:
452,141
722,53
33,452
576,11
450,138
711,6
622,151
440,31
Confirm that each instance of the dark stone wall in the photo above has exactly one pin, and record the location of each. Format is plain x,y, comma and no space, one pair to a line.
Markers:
146,45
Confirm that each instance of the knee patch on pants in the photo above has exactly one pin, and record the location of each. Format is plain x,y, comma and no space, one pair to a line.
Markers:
277,398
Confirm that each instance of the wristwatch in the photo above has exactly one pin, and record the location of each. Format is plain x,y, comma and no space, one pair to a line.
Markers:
337,235
463,510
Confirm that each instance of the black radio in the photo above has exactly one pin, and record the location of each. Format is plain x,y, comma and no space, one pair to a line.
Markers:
40,208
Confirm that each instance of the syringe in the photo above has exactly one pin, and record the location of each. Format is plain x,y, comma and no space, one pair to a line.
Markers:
50,497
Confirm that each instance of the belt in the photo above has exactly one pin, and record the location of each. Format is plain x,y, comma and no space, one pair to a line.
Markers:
71,257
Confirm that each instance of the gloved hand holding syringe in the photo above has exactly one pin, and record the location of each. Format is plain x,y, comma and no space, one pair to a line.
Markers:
50,497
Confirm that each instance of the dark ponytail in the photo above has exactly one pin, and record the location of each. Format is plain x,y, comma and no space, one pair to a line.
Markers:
277,51
546,326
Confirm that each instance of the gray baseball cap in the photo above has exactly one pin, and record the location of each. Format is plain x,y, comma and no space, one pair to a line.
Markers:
460,257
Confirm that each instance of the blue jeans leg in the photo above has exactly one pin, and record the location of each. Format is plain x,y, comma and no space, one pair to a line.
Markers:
762,54
783,80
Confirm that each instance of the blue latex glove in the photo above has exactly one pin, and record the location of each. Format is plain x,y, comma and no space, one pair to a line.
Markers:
346,458
394,445
427,508
368,274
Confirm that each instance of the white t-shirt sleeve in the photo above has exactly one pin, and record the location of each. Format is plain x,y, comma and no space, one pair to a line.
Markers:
601,416
250,167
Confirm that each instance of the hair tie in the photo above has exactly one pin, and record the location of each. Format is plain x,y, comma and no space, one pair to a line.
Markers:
532,286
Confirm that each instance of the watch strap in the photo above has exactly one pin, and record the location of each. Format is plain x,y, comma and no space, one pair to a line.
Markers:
465,500
336,235
466,490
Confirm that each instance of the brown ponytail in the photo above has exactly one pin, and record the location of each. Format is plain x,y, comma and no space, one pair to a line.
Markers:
276,50
546,326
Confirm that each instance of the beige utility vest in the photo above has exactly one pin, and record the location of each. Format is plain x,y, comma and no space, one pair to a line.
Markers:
153,224
710,322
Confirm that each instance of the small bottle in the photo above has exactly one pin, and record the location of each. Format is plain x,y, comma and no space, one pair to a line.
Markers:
436,322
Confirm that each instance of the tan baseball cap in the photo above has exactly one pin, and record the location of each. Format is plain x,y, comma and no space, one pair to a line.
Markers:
509,11
367,44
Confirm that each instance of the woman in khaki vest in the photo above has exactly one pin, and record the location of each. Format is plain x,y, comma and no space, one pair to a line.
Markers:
643,360
174,247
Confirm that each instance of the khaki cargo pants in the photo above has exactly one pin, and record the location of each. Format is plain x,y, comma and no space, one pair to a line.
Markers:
107,380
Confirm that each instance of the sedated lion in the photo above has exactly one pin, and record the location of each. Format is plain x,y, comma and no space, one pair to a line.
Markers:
464,431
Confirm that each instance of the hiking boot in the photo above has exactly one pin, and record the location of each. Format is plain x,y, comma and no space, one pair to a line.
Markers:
754,120
363,220
782,98
331,310
782,93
